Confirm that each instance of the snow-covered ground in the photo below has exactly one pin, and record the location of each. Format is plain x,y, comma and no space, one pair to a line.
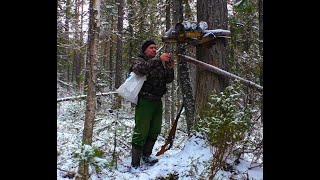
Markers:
188,158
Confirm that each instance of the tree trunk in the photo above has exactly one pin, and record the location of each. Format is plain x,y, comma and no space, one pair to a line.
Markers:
214,12
105,50
183,73
111,54
67,51
94,25
76,49
118,78
261,47
81,49
167,103
86,61
131,40
131,21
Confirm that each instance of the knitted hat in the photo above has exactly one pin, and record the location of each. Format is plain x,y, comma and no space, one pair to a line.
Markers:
146,44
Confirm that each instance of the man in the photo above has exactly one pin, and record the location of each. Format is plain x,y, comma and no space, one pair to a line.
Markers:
148,111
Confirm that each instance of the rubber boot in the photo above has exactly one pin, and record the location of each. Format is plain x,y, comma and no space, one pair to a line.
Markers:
147,150
136,156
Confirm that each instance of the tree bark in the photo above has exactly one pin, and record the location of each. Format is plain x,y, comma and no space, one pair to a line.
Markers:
67,51
214,12
167,103
131,45
183,73
111,54
118,78
81,83
94,25
76,49
261,47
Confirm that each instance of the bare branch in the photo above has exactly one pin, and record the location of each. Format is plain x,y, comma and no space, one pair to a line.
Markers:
221,72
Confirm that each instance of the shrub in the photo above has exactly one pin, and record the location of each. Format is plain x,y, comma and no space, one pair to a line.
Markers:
224,123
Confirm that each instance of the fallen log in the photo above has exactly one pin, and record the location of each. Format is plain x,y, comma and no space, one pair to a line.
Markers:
82,96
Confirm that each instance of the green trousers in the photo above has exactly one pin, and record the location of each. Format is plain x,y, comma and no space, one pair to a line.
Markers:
148,120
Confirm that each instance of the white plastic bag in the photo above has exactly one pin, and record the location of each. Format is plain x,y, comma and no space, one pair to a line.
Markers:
130,89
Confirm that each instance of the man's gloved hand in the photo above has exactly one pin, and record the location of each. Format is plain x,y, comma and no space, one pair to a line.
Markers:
166,57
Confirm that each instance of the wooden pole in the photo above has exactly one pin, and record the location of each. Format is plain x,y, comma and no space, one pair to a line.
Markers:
221,72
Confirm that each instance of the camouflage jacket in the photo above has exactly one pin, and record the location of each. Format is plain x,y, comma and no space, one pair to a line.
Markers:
157,77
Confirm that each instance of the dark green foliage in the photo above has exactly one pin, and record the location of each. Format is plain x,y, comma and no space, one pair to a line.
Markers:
225,124
245,58
224,121
246,6
92,156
